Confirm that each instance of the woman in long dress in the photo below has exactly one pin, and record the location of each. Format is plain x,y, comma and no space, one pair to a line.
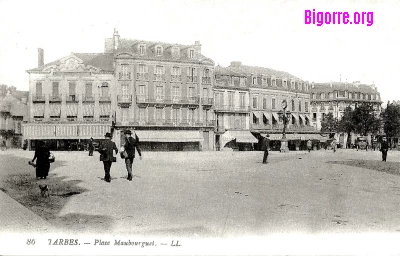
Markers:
42,155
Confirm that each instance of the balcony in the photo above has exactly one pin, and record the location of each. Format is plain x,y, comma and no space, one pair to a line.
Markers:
124,76
210,123
124,99
206,80
88,98
37,98
231,108
142,76
158,77
207,101
104,98
220,129
55,98
176,78
72,98
192,79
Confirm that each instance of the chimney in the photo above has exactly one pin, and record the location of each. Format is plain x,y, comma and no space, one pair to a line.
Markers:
116,39
236,64
40,58
197,47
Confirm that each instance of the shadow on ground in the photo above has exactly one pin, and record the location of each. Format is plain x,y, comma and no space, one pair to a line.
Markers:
18,180
387,167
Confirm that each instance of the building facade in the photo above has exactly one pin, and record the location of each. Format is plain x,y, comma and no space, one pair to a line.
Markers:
334,97
13,112
164,92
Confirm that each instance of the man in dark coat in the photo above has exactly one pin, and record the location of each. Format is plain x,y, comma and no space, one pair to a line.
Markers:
106,155
265,147
129,146
91,147
384,148
41,156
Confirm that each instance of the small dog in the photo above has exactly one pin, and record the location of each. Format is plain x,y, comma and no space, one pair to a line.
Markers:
44,190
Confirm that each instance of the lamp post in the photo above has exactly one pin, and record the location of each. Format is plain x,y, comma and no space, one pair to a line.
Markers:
284,115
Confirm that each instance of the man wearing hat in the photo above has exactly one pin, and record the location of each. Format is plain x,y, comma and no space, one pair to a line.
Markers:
129,146
106,155
384,149
264,147
91,147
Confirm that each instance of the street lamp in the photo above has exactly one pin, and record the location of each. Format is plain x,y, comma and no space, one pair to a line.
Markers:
284,115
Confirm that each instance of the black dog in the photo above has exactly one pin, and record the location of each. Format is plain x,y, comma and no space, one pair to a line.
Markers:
44,190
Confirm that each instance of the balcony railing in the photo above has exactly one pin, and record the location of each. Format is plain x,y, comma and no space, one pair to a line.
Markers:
72,98
38,98
142,76
192,79
88,98
104,98
158,77
167,100
176,78
124,98
231,108
124,76
206,80
55,98
207,101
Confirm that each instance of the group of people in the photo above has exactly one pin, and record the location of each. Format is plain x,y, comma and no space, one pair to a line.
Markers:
107,148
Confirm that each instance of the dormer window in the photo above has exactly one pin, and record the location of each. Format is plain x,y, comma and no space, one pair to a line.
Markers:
191,54
159,50
254,80
285,83
175,52
142,49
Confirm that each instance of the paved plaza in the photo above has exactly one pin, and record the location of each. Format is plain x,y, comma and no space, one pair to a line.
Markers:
224,194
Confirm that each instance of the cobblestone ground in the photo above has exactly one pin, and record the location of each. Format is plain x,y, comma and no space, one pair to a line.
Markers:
224,194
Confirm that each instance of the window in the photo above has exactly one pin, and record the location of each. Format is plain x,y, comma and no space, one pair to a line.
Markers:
254,80
125,115
176,71
142,114
104,89
314,96
264,103
255,105
314,116
55,89
175,114
293,106
88,89
142,49
242,100
142,68
285,83
159,114
38,89
159,92
299,106
330,95
191,54
274,82
175,51
72,88
158,50
306,106
273,103
322,96
191,72
191,115
142,90
206,72
205,93
175,92
124,74
191,92
159,70
125,91
230,99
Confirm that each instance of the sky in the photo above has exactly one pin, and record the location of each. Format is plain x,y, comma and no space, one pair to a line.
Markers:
264,33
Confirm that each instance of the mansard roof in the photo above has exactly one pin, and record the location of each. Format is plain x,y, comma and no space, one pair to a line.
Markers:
102,61
351,87
258,71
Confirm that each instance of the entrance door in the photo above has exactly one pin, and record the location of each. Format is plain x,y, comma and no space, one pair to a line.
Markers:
206,137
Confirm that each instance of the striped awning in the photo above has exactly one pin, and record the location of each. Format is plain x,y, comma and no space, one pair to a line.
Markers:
72,109
88,109
55,109
267,115
243,136
256,114
302,118
38,109
105,109
276,116
295,115
169,136
297,136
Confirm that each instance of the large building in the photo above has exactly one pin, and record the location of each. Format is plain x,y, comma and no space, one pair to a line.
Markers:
266,89
334,97
163,91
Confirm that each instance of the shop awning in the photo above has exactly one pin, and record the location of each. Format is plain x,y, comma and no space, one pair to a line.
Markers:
278,136
169,136
105,109
295,115
267,115
72,109
38,109
88,110
55,110
276,116
256,115
243,137
302,117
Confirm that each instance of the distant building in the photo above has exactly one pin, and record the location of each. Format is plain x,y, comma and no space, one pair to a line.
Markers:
13,111
334,97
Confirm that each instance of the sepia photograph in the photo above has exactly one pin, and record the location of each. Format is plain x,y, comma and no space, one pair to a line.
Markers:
199,127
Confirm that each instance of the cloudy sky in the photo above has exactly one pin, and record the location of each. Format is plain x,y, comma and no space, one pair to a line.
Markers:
264,33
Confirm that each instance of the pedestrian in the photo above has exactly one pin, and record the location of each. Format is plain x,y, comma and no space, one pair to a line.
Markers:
309,145
91,147
42,154
265,147
334,145
4,145
106,155
129,147
384,149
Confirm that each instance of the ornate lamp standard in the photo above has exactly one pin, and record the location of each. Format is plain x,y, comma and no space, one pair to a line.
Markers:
284,115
